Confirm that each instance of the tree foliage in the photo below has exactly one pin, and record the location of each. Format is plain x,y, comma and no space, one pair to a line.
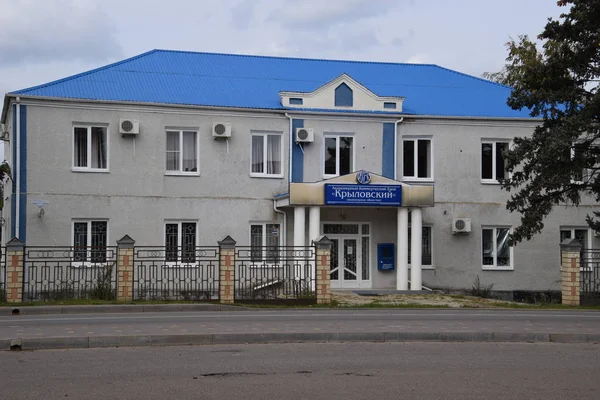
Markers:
558,83
5,175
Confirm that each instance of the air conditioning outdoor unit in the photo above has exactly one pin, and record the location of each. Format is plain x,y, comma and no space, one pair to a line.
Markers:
597,233
129,127
221,130
305,135
3,131
461,225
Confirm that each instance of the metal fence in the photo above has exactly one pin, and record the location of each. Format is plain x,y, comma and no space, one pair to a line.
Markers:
279,274
589,277
176,273
65,273
3,279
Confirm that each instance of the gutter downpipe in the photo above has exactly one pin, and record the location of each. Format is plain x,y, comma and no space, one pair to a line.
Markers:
396,147
290,152
18,169
284,233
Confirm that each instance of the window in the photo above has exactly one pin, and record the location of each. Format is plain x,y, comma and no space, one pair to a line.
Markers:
296,101
343,96
417,163
389,105
580,234
496,252
180,242
90,149
493,166
585,157
89,241
182,152
339,155
266,155
426,258
264,242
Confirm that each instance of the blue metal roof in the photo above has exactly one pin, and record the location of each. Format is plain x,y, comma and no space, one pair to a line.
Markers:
227,80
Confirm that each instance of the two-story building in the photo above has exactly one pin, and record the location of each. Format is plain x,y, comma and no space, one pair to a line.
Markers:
180,149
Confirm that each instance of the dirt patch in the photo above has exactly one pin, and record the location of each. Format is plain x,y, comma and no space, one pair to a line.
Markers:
350,299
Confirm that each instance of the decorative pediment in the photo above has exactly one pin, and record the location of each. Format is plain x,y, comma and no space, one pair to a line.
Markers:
342,93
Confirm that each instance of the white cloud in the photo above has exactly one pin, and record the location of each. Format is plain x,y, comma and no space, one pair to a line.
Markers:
419,59
55,30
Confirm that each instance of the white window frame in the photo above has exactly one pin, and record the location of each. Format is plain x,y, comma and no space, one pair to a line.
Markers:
88,262
415,178
180,171
495,267
265,136
432,266
263,261
494,180
589,244
89,127
179,263
337,137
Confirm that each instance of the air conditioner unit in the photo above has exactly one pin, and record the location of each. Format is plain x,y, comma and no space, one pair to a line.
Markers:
221,130
3,131
597,233
305,135
129,127
461,225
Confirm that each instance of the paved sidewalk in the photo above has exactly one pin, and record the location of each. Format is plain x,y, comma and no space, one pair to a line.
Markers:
295,325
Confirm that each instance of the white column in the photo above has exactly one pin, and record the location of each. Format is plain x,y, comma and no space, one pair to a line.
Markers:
416,227
402,249
299,240
314,222
299,226
314,229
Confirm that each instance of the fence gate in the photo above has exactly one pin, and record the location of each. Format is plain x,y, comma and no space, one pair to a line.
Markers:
186,273
275,274
589,277
67,273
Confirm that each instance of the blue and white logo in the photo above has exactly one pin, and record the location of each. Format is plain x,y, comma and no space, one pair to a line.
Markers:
363,177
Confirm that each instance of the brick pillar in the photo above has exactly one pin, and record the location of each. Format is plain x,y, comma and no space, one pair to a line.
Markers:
227,270
323,277
125,268
570,250
15,257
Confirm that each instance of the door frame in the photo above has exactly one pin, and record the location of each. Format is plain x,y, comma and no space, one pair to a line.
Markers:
359,283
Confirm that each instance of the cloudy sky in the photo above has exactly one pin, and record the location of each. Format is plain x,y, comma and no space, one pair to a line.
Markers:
43,40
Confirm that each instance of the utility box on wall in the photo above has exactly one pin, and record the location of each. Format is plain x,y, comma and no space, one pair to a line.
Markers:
385,257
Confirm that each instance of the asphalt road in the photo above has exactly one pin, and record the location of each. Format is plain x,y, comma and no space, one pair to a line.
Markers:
307,371
299,321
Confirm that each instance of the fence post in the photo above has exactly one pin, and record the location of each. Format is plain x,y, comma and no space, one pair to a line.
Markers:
323,276
125,268
15,259
226,270
570,270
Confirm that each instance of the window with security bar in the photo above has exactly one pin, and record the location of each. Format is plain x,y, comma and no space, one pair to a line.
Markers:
180,242
264,242
426,252
89,241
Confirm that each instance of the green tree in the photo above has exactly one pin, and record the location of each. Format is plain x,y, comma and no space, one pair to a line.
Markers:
5,175
558,83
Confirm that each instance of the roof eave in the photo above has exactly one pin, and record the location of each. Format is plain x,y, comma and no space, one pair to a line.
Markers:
282,111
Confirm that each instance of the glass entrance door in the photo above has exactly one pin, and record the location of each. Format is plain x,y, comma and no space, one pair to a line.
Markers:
344,262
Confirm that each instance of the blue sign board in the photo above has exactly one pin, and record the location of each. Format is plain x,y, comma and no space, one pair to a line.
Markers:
363,195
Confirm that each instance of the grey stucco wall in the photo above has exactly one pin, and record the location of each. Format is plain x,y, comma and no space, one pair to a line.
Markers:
137,197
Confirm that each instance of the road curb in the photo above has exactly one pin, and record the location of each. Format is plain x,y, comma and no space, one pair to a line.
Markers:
116,308
271,338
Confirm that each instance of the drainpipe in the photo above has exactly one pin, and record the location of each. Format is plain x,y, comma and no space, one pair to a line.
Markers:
396,147
18,169
284,233
290,146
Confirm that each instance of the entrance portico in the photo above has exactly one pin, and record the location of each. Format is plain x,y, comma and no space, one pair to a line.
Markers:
356,245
